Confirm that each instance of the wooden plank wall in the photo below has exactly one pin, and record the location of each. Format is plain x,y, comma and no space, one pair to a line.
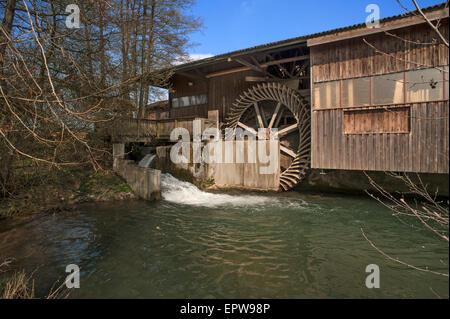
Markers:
225,89
424,149
189,111
221,90
181,87
354,58
180,84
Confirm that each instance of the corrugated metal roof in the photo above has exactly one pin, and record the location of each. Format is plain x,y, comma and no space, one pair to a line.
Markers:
297,40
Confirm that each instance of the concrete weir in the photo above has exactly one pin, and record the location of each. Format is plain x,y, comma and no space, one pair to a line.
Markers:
145,182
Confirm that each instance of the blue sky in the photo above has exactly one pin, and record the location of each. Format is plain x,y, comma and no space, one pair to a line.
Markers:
238,24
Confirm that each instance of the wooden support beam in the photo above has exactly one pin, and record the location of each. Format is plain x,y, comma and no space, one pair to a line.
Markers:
263,115
288,151
248,66
274,116
251,66
215,74
245,127
258,116
287,130
279,118
287,60
255,62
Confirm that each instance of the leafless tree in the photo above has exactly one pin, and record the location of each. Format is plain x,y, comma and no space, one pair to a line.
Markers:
58,86
431,212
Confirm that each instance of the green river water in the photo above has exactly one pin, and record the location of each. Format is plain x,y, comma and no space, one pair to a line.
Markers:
194,244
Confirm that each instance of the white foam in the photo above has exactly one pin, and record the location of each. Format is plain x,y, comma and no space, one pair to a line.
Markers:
180,192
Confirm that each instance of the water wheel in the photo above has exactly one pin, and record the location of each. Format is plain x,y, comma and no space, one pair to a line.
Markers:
273,105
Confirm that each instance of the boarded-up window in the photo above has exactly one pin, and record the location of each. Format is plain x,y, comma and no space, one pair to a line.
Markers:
356,92
326,95
392,120
424,85
388,89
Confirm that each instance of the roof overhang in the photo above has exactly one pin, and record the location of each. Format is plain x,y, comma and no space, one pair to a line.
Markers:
223,62
384,26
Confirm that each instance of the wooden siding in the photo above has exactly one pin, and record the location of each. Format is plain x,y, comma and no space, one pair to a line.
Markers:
424,149
354,58
180,86
222,91
189,111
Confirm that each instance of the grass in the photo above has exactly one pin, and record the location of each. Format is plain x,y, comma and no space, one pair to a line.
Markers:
46,189
19,285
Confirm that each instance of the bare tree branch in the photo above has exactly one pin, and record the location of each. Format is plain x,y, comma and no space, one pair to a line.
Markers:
429,23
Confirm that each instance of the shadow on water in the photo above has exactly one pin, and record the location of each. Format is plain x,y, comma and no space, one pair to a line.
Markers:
201,245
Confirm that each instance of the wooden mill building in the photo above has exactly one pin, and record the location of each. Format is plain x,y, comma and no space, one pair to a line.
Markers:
372,99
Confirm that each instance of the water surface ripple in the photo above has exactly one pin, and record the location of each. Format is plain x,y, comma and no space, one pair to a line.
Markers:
201,245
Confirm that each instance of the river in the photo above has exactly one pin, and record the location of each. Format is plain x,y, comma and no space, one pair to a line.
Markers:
195,244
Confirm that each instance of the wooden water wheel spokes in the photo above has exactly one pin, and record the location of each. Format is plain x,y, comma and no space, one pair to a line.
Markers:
273,105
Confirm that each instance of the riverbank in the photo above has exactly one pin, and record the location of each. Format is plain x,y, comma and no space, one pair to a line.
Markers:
54,190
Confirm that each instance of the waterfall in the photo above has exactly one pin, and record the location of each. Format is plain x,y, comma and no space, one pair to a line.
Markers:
180,192
147,160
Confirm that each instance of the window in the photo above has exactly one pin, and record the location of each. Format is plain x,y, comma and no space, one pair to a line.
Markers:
381,120
326,95
189,100
421,85
425,85
388,89
356,92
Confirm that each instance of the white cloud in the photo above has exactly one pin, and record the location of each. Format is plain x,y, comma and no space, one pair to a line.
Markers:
199,56
192,57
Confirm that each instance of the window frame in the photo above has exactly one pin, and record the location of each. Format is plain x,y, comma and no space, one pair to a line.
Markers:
189,97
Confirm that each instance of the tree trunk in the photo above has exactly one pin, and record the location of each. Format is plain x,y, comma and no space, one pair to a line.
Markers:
7,24
5,118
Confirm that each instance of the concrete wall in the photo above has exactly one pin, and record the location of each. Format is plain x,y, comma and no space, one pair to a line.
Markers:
355,182
200,174
225,175
118,153
145,182
247,175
